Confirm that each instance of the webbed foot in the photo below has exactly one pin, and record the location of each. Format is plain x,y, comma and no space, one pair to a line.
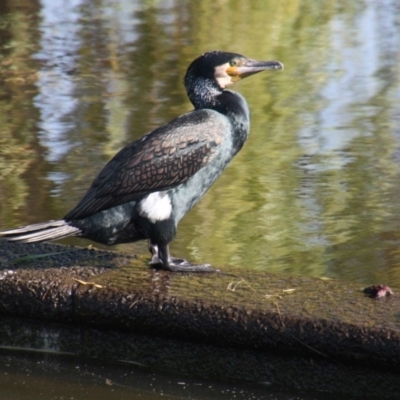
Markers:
182,265
162,259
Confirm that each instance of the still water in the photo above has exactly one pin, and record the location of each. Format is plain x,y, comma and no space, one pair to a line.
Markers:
48,377
315,190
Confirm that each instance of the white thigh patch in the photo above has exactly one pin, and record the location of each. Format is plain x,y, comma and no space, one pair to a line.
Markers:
156,207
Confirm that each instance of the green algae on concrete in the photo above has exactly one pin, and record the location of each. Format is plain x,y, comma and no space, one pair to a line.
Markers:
237,324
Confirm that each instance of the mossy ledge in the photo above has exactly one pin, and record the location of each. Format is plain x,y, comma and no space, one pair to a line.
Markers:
237,324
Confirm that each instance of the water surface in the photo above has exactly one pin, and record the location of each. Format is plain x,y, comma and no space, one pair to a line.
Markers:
314,190
30,376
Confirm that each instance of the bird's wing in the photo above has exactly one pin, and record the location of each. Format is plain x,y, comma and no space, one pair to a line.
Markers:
160,160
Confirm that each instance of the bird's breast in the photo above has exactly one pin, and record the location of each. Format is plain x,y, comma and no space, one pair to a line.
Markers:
185,196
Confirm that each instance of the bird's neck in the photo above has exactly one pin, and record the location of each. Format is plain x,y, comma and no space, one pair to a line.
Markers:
235,107
203,93
206,94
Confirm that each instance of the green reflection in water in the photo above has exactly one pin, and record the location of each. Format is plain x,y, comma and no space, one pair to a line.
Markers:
315,189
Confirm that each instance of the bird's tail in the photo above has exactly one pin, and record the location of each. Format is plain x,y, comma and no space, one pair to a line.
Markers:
50,230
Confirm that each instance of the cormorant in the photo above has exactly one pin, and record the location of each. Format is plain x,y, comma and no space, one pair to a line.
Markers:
149,185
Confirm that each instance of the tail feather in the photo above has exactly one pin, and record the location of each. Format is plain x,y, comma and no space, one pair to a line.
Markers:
50,230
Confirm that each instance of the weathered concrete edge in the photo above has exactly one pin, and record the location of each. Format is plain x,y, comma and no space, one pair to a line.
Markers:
63,299
157,329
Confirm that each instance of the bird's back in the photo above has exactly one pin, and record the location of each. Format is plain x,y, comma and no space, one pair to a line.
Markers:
161,160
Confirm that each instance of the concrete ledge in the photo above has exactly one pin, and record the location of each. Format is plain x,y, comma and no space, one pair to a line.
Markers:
299,332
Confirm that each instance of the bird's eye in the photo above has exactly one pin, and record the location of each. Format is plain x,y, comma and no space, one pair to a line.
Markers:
232,63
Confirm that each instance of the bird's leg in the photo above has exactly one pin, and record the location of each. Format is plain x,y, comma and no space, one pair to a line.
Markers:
153,248
161,256
155,259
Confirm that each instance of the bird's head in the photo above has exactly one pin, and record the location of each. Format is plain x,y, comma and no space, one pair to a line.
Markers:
226,68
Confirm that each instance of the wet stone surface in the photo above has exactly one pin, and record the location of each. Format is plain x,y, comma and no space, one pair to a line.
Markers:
242,324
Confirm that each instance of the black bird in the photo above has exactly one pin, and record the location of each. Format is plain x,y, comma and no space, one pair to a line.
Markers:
149,185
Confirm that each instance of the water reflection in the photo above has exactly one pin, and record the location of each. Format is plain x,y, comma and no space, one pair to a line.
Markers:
59,45
315,189
37,376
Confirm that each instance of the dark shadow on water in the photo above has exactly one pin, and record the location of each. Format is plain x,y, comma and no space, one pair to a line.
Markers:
39,376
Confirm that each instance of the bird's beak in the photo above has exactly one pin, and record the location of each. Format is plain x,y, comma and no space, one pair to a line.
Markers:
250,67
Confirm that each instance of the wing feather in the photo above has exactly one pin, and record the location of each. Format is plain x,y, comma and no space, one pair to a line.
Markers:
160,160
